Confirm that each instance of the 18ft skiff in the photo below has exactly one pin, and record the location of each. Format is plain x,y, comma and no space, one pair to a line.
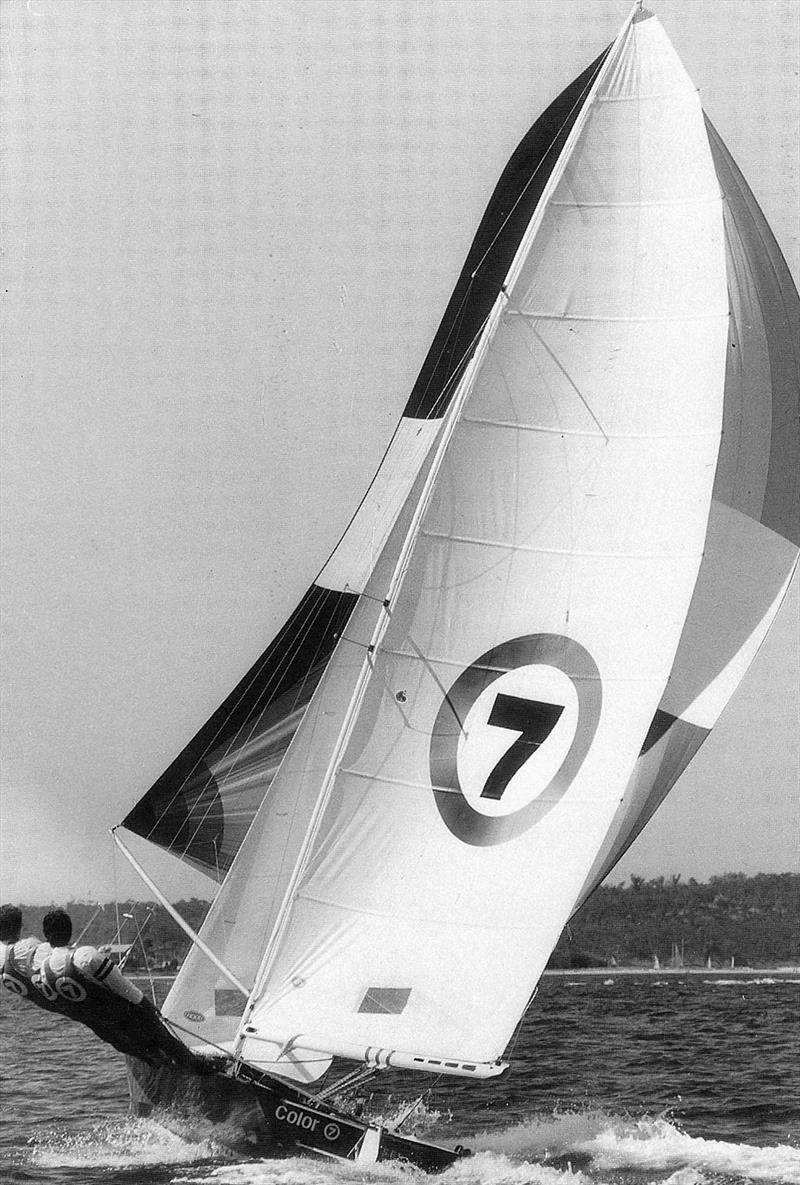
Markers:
581,531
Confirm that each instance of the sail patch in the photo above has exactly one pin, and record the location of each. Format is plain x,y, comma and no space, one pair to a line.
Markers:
386,1000
229,1002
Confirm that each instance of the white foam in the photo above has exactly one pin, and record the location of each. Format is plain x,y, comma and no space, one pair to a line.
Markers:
485,1168
586,1146
119,1144
686,1177
659,1145
768,981
654,1144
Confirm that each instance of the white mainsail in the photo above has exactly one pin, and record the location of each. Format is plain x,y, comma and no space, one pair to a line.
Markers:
541,609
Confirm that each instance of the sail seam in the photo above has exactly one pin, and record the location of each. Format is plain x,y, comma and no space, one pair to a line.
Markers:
460,665
566,317
489,423
411,917
606,555
683,93
711,198
425,786
595,800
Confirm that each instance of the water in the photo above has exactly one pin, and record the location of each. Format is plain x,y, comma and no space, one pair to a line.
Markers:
616,1080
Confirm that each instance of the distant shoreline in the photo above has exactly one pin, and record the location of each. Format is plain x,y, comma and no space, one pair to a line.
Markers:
594,972
609,972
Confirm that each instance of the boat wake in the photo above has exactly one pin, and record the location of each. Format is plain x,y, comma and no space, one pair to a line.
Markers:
570,1148
125,1143
563,1148
652,1149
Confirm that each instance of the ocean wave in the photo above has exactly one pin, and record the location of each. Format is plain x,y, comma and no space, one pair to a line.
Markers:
562,1148
605,1143
569,1148
743,981
485,1168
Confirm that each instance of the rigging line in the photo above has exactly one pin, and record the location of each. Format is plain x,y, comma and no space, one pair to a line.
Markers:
453,382
88,924
176,917
173,1024
456,374
315,610
454,377
512,1045
237,740
116,889
531,325
268,692
412,1107
426,663
349,1082
312,613
453,332
139,930
459,370
450,387
589,84
356,699
578,102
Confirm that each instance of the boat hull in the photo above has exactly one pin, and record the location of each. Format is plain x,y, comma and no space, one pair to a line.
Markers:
258,1115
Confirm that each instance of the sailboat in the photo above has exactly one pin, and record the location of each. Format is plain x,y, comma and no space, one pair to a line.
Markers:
581,530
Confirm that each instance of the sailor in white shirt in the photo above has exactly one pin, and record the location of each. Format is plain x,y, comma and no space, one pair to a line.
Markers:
87,986
89,961
17,956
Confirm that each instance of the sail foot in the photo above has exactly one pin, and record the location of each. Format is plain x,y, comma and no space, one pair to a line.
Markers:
380,1058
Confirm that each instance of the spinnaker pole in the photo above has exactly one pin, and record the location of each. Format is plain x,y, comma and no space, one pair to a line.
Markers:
176,917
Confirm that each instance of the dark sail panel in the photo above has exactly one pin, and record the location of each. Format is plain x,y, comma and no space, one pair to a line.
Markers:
202,806
506,219
759,465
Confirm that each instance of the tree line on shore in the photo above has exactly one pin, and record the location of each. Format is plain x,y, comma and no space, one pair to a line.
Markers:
730,920
750,920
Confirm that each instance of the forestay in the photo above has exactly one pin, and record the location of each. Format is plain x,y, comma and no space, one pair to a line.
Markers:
528,648
203,804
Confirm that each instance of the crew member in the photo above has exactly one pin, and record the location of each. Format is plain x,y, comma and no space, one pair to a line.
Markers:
88,987
17,958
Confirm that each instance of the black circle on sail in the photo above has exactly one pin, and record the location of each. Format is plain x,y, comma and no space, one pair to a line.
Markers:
541,691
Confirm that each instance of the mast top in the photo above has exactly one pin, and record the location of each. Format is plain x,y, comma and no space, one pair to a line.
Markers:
641,13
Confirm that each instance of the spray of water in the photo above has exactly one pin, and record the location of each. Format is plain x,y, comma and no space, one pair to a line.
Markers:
562,1148
603,1143
119,1144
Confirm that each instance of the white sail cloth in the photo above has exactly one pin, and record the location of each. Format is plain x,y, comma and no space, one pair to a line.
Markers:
542,606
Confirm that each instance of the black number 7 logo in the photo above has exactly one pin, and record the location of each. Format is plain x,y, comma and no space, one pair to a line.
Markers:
534,720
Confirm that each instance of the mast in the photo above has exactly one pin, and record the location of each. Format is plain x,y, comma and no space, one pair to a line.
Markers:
305,895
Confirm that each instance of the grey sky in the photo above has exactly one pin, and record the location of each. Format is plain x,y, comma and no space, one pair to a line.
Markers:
231,230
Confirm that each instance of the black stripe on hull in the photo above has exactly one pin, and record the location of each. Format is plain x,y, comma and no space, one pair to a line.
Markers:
507,216
188,810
